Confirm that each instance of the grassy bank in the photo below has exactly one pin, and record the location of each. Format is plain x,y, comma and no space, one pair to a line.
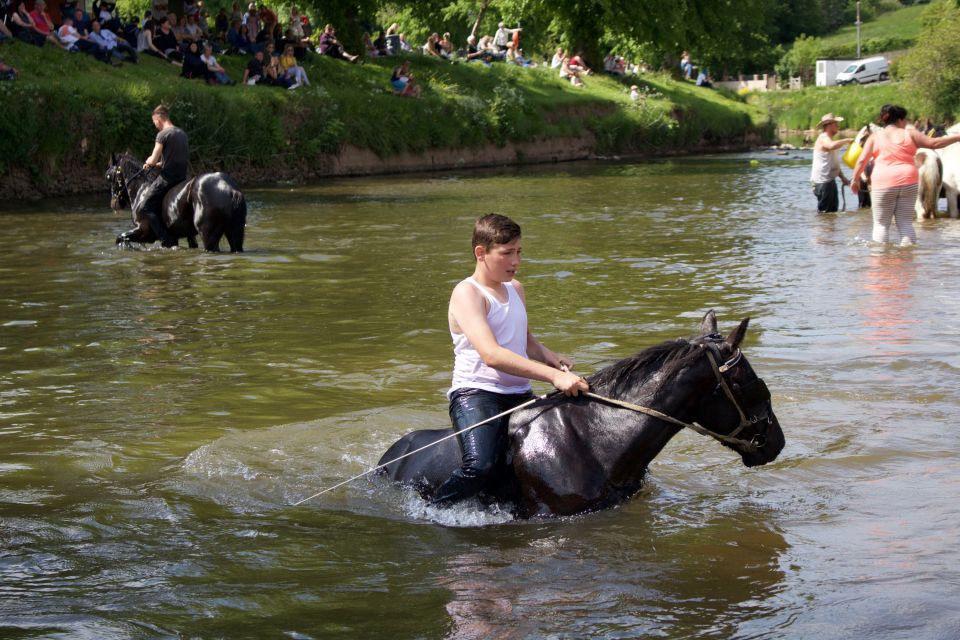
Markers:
67,113
858,104
888,32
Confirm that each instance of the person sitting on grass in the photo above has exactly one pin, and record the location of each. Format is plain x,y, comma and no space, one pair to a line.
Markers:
274,73
380,45
432,46
578,65
515,56
76,41
7,72
557,58
254,73
193,31
292,70
163,44
568,72
402,81
213,67
6,13
108,41
42,21
447,49
493,54
22,27
194,67
330,46
473,53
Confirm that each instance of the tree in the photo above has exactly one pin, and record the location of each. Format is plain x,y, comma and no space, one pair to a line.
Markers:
931,70
801,60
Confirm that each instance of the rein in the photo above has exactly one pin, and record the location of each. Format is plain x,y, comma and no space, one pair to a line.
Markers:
127,181
426,446
748,445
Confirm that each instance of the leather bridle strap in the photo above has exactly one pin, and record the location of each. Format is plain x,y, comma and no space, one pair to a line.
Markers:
746,445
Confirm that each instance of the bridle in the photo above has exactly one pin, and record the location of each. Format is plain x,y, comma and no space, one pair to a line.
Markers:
752,394
120,183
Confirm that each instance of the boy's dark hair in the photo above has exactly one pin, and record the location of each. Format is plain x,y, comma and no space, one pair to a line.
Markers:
162,112
492,229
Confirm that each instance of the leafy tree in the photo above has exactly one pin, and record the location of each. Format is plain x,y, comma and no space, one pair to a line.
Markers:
931,70
801,60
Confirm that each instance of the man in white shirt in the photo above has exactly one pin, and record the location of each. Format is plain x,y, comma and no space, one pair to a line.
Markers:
504,35
107,41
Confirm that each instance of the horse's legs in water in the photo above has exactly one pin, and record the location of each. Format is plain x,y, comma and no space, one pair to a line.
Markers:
210,238
192,241
140,233
235,236
151,202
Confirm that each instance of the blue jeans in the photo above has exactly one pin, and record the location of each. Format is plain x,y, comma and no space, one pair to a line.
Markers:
482,448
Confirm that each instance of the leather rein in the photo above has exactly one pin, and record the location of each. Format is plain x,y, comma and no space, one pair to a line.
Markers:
751,445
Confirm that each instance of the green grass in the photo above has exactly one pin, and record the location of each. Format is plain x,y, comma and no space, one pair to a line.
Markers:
68,111
857,104
889,31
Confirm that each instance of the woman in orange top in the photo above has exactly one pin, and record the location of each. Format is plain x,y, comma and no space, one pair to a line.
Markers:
893,183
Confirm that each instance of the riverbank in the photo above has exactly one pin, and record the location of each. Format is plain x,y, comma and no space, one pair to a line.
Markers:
67,113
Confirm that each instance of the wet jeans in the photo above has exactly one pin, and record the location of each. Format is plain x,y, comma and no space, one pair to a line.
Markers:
480,448
151,207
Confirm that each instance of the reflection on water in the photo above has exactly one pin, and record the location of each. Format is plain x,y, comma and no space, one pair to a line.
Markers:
714,574
161,410
888,309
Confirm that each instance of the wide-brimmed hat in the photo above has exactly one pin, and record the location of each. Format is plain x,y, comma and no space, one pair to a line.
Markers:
827,119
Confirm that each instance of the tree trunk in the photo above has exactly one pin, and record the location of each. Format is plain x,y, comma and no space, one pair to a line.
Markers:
480,14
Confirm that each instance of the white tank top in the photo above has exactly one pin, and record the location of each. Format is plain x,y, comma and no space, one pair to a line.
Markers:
508,321
826,166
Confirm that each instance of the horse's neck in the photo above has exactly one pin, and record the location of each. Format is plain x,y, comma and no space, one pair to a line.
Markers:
136,177
643,437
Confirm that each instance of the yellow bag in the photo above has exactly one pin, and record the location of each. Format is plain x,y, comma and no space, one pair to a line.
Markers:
852,154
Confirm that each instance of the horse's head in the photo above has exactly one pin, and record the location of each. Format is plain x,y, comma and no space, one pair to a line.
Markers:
865,132
737,406
119,194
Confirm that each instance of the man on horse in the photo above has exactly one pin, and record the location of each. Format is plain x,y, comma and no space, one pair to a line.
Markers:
171,152
495,356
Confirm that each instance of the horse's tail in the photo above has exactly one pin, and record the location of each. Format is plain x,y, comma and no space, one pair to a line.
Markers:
929,183
238,221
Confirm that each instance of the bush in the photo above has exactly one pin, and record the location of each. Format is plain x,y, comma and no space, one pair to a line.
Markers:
931,71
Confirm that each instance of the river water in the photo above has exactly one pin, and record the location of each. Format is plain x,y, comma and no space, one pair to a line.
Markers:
160,411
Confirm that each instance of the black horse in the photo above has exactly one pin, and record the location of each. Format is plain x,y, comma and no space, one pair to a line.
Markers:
209,205
572,455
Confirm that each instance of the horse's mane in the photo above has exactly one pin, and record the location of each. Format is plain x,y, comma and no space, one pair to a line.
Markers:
131,166
667,358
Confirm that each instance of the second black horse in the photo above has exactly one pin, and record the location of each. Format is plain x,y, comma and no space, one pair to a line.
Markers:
209,205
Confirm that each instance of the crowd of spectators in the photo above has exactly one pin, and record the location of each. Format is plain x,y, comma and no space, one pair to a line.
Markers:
276,49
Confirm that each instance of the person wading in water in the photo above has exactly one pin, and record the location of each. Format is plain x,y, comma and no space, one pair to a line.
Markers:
495,356
170,152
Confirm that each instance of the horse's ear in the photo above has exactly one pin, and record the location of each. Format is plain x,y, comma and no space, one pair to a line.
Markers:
113,159
736,336
708,326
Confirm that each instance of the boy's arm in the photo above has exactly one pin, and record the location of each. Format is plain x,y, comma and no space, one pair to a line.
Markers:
469,313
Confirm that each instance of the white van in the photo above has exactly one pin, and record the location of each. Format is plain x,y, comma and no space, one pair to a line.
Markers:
863,71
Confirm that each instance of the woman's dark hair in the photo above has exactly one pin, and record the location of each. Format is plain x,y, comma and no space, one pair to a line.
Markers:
892,113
